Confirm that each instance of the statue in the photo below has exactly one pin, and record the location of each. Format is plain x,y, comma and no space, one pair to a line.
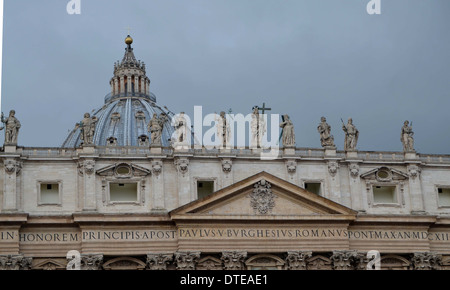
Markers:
351,135
288,133
223,130
326,139
407,137
155,127
181,131
12,126
258,128
87,126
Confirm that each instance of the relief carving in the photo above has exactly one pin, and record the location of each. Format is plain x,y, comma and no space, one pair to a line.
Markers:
91,261
297,260
182,165
333,167
15,262
413,171
354,170
209,263
158,261
426,261
227,165
343,260
262,199
87,166
234,260
157,167
319,262
291,166
12,166
186,260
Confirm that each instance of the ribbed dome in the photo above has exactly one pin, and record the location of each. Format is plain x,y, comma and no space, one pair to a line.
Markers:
123,120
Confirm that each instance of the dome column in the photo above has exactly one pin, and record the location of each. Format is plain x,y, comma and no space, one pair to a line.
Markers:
129,84
136,84
116,86
122,84
142,90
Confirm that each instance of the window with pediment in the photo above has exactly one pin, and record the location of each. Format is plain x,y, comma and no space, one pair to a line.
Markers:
385,187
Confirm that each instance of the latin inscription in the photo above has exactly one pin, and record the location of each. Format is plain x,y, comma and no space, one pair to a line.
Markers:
220,233
311,233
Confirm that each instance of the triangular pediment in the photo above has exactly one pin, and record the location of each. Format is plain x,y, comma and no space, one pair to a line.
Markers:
264,196
123,170
384,173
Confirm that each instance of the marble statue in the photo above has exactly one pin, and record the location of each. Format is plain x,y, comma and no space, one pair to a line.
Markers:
407,137
223,130
326,139
181,130
12,126
258,128
155,127
87,126
288,133
351,135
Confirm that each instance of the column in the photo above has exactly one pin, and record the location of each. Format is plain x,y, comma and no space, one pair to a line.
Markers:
415,189
129,85
186,260
334,181
227,177
142,90
158,261
297,260
91,261
356,202
148,87
15,262
185,194
86,170
233,260
12,168
122,84
116,86
136,84
343,260
158,199
291,168
426,261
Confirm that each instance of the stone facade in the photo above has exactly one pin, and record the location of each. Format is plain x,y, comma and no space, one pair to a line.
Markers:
144,207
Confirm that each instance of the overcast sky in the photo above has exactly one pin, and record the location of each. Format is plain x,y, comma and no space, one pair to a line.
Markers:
304,58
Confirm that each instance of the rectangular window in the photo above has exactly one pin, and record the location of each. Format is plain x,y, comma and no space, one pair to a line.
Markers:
204,188
384,194
314,187
123,192
444,196
49,193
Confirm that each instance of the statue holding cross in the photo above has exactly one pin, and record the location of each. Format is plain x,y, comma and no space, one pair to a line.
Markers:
258,126
263,109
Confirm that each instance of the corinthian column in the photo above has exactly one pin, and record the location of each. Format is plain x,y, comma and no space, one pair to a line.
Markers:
186,260
296,260
343,260
234,260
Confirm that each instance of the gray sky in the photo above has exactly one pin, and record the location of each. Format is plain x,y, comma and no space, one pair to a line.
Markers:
304,58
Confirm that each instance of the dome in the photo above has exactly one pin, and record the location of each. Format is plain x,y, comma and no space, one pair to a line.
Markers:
123,120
